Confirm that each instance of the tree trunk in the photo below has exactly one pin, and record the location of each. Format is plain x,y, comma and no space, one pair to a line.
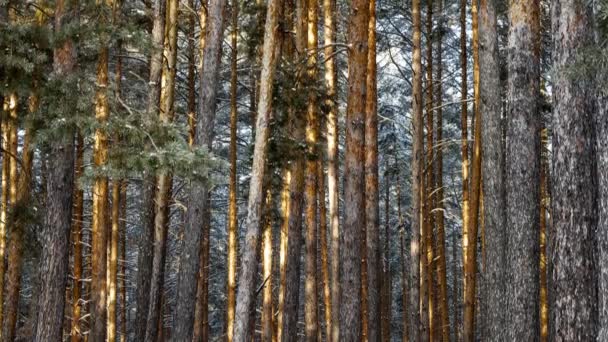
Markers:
145,255
493,167
76,333
199,193
523,171
573,293
246,287
288,330
544,202
372,218
201,309
439,214
267,268
164,180
386,296
405,334
329,33
324,249
113,268
471,254
58,213
354,178
312,133
4,207
232,205
417,190
464,147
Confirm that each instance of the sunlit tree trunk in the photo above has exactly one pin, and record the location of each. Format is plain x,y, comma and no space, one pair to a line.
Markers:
77,223
471,255
164,179
573,293
312,133
59,185
372,218
417,176
232,191
329,34
523,157
493,300
113,264
354,178
145,254
246,287
4,206
267,269
100,200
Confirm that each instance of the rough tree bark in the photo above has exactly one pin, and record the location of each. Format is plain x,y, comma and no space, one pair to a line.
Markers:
59,203
493,165
523,172
164,180
246,287
199,193
354,178
77,223
145,253
573,270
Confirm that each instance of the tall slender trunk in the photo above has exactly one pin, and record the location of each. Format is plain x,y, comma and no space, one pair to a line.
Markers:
523,171
544,211
288,330
145,255
232,205
113,264
417,180
464,143
123,262
100,200
58,214
283,244
267,268
386,295
76,332
354,178
164,180
471,255
324,248
439,206
4,206
405,308
310,196
199,193
372,218
572,247
201,309
246,288
428,191
329,37
493,167
15,246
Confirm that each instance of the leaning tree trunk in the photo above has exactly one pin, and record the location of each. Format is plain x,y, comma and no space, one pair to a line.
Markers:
354,178
246,288
573,270
58,218
199,193
493,165
523,172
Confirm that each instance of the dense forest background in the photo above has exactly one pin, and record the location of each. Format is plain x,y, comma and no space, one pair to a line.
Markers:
304,170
